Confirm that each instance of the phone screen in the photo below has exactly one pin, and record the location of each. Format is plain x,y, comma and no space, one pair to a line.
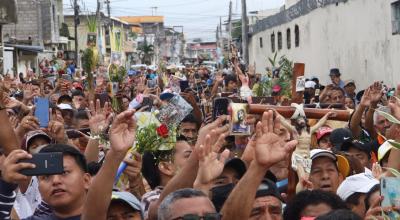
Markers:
391,194
220,107
42,111
184,85
72,134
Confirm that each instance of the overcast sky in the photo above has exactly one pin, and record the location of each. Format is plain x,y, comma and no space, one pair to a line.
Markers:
199,17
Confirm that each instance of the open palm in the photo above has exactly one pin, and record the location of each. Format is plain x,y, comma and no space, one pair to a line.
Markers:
98,121
270,148
211,164
123,131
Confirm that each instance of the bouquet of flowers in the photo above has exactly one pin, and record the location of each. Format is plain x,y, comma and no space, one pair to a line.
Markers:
155,137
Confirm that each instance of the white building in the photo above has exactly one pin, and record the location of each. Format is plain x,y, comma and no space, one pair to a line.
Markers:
360,37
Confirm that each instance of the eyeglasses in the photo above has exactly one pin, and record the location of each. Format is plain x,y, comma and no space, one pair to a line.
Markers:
208,216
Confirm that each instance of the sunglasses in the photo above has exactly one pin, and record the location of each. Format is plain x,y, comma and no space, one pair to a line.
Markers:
208,216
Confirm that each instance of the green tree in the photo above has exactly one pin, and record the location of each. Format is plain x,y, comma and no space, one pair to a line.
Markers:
64,31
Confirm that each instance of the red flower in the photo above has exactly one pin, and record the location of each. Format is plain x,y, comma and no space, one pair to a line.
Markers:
162,131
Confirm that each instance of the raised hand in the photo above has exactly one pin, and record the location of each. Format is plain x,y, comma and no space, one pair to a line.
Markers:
122,132
28,123
218,128
56,131
98,121
211,164
372,95
11,167
269,147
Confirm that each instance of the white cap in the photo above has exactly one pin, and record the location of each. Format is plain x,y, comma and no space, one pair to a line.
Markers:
310,84
64,106
359,183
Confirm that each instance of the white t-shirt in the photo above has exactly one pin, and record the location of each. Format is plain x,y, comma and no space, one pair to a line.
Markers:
26,203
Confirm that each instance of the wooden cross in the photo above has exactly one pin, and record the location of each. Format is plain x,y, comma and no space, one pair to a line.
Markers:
311,113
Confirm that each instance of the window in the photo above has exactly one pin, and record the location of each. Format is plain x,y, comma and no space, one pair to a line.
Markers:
296,35
288,39
273,42
279,40
261,42
396,17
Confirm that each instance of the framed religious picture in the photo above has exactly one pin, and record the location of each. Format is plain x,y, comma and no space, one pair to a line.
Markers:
239,113
91,39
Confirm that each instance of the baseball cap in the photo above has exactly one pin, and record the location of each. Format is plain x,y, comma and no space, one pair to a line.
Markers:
323,131
129,199
358,183
339,136
64,106
64,98
384,149
341,162
356,144
334,72
166,96
348,82
33,134
268,188
77,93
310,84
237,165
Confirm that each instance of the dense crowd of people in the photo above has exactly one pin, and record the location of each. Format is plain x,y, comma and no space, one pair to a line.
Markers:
265,166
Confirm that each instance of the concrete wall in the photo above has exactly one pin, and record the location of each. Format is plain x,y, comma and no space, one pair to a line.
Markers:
38,20
355,36
28,22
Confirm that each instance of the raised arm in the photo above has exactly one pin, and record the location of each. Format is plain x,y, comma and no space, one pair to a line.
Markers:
375,96
98,123
269,150
186,177
8,139
122,137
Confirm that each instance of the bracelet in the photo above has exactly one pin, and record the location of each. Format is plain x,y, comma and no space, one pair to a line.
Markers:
95,137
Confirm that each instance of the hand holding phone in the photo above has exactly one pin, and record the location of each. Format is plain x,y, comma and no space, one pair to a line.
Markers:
44,164
42,111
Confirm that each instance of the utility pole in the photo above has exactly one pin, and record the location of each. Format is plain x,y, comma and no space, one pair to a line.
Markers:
245,31
98,18
108,9
230,23
76,23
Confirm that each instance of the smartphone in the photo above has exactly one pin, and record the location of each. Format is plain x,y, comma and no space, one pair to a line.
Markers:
184,85
85,131
151,83
147,101
66,77
220,107
42,111
72,134
391,193
46,164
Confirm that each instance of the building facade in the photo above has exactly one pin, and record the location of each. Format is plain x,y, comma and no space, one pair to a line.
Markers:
34,37
360,37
